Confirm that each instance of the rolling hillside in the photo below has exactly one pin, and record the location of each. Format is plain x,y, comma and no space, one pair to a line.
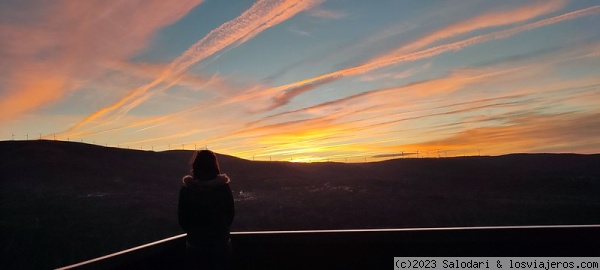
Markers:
63,202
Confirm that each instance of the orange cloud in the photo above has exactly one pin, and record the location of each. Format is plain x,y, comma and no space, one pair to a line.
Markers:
314,133
568,132
379,108
172,136
32,94
61,45
393,59
261,16
487,20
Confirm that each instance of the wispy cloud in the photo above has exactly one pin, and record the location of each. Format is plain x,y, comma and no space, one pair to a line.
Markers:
281,95
390,75
382,102
259,17
171,136
59,48
525,133
335,118
487,20
320,12
393,59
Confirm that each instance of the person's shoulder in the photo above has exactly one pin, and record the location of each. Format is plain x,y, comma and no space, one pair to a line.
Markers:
186,180
224,178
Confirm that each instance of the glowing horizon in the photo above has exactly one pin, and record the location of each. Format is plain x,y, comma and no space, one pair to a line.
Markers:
305,80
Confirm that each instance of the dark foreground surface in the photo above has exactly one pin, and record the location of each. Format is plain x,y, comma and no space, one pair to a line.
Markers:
66,202
368,249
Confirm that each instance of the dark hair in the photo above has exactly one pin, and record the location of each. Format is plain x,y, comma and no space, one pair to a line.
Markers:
205,166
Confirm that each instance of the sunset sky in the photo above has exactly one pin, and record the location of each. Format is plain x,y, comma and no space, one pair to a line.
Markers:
309,80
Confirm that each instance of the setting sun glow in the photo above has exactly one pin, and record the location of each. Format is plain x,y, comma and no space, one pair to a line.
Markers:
304,81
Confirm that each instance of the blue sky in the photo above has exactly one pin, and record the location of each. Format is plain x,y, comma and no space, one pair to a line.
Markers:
304,80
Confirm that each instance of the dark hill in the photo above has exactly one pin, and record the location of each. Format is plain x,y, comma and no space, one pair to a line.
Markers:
63,202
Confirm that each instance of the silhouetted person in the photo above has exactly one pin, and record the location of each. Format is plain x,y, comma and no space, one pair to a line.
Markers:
205,212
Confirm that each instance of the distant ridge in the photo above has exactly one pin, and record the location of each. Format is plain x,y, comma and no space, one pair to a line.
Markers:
22,145
66,202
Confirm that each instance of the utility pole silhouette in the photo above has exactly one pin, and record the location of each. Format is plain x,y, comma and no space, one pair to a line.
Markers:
479,151
152,147
40,135
182,146
27,136
195,147
169,146
13,136
54,136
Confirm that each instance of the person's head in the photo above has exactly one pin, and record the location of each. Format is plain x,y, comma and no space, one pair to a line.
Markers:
205,165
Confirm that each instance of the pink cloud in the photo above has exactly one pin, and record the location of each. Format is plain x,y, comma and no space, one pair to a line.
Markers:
487,20
60,47
261,16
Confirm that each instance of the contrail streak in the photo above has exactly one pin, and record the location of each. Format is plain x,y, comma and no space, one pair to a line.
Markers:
369,66
262,15
427,53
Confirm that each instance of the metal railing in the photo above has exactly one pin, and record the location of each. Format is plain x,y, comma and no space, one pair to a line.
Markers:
364,248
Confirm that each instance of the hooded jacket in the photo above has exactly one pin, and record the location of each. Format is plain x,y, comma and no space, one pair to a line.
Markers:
206,208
